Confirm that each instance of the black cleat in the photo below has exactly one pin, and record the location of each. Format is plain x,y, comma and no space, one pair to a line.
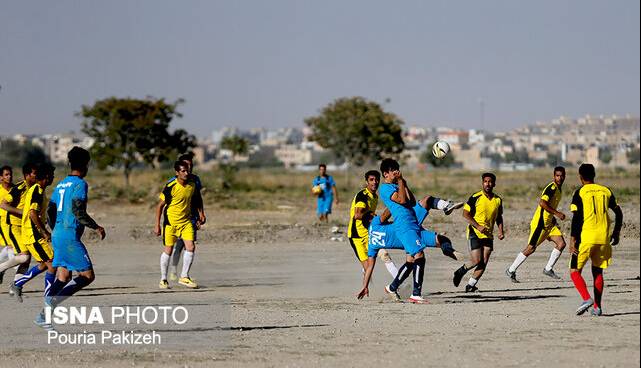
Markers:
458,275
470,288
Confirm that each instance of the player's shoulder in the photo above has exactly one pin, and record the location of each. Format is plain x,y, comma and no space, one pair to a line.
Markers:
476,195
551,186
171,183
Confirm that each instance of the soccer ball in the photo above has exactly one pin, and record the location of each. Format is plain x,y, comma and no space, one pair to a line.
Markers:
316,189
440,149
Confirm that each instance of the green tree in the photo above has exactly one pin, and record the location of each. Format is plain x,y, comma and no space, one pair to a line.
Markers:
15,154
605,155
237,145
131,131
633,156
357,130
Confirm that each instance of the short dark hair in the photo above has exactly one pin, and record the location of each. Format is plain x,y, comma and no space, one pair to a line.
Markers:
389,164
373,173
559,169
587,172
28,168
186,157
489,175
6,168
45,170
179,164
322,165
78,158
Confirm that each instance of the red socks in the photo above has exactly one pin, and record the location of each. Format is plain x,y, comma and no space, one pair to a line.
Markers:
581,287
598,289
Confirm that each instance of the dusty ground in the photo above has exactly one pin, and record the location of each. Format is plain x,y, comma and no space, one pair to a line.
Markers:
276,291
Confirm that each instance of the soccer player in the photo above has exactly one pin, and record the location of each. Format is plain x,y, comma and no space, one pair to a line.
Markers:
400,200
482,210
36,239
590,237
543,226
198,218
13,203
6,182
67,212
327,195
176,201
383,236
361,212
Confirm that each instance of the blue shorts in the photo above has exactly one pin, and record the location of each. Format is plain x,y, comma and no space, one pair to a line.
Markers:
428,238
70,253
324,205
411,242
420,212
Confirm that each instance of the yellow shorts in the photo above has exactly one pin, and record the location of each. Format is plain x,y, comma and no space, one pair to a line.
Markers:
599,254
359,245
41,250
173,232
538,234
13,234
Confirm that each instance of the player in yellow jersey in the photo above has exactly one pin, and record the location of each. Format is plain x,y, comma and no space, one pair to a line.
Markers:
6,182
176,204
13,203
544,227
590,238
482,210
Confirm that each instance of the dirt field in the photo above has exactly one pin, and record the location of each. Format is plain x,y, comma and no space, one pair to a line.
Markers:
276,291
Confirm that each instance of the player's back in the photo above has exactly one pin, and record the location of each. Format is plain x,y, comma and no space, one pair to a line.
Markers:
34,200
16,197
65,192
593,201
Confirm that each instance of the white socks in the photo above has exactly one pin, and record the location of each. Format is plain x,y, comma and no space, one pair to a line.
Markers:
4,254
188,258
20,258
472,281
554,256
391,268
164,265
517,262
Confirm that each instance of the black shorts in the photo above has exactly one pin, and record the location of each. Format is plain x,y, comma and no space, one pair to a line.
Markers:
477,243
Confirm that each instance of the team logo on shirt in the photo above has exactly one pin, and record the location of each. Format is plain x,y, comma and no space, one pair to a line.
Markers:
377,238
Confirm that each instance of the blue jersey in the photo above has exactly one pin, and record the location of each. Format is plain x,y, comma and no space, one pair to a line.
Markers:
326,183
404,216
68,189
384,236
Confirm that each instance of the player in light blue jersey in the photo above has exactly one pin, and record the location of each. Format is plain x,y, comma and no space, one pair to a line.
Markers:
68,217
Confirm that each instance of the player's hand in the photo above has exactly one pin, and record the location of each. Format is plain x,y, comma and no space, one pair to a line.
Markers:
203,219
101,231
501,235
615,239
364,292
560,215
573,250
157,230
47,236
483,230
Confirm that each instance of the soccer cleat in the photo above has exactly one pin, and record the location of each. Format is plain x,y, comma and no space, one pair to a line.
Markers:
186,281
596,311
470,288
584,307
512,276
15,291
163,284
451,206
551,273
173,276
393,294
458,275
40,321
417,300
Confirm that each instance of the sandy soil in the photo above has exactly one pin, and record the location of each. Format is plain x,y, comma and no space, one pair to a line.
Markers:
276,291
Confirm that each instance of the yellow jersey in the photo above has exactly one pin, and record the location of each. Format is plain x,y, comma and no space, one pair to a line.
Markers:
591,203
178,200
3,194
363,199
552,195
34,200
15,198
485,211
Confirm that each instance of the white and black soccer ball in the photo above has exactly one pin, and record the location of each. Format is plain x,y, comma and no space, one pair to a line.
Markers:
440,149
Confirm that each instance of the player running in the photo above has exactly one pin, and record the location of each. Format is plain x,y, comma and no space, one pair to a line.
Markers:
176,201
6,182
590,237
482,210
544,226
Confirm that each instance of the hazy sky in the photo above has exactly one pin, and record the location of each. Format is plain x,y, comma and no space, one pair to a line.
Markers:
272,63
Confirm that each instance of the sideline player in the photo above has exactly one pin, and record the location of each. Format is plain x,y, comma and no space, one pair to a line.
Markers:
327,195
482,210
590,237
6,182
543,226
67,212
198,218
36,239
361,213
383,236
175,203
13,203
